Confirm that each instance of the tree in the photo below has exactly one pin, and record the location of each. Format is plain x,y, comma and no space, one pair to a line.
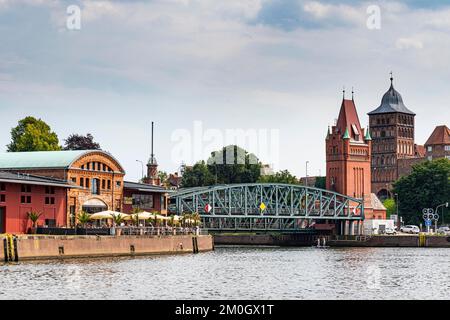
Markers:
321,183
33,134
427,186
280,177
83,218
80,142
197,176
391,207
34,216
229,165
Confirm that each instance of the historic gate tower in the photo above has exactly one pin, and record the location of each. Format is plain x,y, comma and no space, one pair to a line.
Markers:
392,129
348,155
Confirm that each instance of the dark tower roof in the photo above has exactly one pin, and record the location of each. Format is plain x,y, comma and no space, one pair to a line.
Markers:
392,102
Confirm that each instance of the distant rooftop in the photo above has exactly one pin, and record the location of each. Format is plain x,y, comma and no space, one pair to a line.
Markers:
10,177
440,135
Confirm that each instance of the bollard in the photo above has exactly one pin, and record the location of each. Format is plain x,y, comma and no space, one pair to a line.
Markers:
16,253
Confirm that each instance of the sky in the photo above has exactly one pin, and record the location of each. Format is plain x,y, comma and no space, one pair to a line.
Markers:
206,70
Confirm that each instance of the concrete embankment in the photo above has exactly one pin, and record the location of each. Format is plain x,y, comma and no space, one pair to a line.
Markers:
299,240
429,241
27,247
265,239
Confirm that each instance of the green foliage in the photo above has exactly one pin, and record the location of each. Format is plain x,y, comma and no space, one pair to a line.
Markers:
83,217
391,207
230,165
34,216
426,187
118,219
321,183
280,177
33,134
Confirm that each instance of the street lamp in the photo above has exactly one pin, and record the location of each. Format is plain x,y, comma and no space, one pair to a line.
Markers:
442,205
306,178
396,207
142,169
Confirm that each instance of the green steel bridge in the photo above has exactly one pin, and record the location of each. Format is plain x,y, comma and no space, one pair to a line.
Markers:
265,206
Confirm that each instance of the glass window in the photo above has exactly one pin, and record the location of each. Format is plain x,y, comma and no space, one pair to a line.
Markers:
447,148
2,198
26,188
81,182
142,201
109,184
2,187
430,148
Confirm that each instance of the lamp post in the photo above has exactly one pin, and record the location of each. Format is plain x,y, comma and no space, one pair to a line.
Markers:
396,207
142,169
439,206
306,177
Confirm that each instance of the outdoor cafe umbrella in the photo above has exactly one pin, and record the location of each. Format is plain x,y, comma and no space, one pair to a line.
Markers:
144,215
108,214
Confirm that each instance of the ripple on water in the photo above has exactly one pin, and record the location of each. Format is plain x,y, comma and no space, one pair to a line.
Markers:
239,272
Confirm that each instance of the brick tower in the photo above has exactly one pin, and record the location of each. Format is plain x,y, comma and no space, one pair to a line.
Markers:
392,130
348,156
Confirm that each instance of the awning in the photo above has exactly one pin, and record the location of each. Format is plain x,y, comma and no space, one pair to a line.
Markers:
94,203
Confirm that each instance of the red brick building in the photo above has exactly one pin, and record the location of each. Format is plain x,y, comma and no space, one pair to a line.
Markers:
392,127
348,156
438,144
96,175
22,193
145,197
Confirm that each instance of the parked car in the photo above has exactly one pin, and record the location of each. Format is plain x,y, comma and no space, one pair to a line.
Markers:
444,231
410,229
390,231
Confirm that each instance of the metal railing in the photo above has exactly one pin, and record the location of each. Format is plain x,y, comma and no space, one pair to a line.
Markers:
156,231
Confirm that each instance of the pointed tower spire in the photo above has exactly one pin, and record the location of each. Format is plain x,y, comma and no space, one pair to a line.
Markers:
346,134
353,94
343,92
392,79
367,137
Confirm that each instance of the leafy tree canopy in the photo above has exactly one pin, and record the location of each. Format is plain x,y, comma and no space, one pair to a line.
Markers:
80,142
231,164
427,186
280,177
391,207
33,134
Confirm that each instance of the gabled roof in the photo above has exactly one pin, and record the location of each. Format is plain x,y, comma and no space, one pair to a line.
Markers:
440,135
44,159
348,120
376,203
10,177
392,102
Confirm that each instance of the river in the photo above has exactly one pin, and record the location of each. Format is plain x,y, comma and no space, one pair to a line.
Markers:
239,273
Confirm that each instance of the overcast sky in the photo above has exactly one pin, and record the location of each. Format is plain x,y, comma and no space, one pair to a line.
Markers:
231,64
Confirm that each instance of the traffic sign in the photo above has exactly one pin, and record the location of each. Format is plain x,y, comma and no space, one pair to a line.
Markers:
428,223
208,208
262,206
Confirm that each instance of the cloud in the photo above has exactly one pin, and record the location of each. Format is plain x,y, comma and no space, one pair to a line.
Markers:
408,43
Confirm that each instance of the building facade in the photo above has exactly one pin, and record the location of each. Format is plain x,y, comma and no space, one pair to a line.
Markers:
96,177
392,127
348,157
144,197
438,144
21,194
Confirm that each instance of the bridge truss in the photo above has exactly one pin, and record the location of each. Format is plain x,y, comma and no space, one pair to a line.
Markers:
264,206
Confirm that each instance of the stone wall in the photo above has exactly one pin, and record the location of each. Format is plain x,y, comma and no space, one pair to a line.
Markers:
47,247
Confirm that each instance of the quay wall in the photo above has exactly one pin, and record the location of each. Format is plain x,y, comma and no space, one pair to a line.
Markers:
265,239
48,247
343,241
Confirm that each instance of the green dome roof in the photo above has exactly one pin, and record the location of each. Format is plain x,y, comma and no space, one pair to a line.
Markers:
43,159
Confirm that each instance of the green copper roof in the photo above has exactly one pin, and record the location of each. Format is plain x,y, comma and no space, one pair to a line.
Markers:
367,137
41,159
346,134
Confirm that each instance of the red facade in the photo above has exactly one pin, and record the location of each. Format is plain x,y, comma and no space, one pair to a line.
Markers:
17,200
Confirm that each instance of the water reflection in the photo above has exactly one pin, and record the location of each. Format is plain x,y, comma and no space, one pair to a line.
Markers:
239,272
